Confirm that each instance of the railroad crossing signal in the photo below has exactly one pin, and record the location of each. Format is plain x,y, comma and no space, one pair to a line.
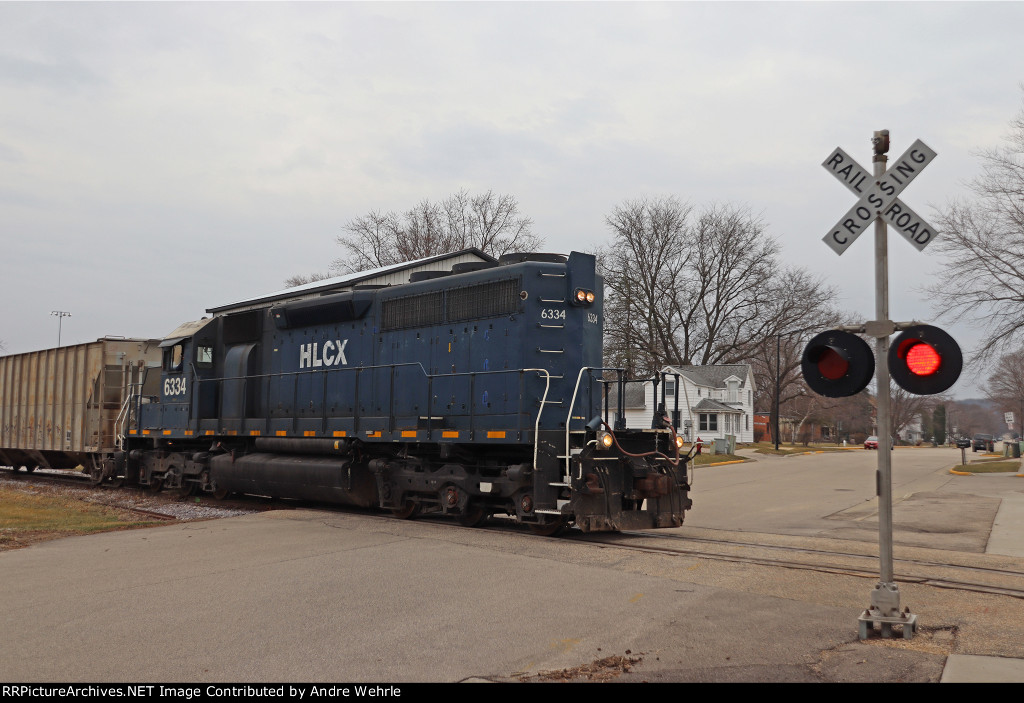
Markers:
924,360
878,197
837,364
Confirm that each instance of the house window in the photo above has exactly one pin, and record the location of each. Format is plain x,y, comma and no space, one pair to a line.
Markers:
670,388
708,422
734,387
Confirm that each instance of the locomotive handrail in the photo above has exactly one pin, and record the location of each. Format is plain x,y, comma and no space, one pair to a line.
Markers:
568,422
124,414
536,426
119,421
357,370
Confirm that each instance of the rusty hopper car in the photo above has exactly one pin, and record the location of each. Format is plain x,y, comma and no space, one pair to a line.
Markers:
61,408
469,393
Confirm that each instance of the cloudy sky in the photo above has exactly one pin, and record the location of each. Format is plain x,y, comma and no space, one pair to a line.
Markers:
158,159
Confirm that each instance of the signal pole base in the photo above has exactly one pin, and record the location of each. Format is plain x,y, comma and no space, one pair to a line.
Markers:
885,612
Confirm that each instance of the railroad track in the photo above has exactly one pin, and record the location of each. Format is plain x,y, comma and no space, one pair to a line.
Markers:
132,498
962,571
979,573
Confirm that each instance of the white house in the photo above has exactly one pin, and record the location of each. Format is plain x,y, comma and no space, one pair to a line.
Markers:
714,401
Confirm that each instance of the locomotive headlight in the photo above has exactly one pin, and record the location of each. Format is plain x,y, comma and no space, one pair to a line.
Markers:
605,440
679,442
582,296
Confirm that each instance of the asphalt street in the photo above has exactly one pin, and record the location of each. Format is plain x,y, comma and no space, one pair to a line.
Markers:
335,596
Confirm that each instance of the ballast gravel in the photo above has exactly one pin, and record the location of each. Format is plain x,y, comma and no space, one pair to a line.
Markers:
165,503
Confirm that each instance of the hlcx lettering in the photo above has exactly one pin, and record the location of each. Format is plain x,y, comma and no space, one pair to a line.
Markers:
333,354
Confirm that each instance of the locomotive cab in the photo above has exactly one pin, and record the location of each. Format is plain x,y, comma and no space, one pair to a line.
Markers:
188,358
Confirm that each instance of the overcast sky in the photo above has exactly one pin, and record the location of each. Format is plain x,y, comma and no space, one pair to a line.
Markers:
158,159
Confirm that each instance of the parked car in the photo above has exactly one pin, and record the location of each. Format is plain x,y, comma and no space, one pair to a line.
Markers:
963,443
872,442
984,442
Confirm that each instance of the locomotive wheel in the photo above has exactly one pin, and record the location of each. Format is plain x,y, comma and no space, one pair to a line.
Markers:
548,529
156,484
474,516
221,493
187,489
408,511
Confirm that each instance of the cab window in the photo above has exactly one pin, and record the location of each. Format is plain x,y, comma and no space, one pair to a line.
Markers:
173,357
204,357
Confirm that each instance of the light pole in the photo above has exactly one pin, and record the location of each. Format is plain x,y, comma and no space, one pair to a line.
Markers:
778,384
60,319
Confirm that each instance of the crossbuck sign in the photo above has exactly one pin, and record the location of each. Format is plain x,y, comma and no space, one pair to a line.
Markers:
877,197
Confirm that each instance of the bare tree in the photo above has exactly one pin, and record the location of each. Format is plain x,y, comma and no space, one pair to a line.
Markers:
686,287
1005,386
968,417
303,279
487,221
906,407
982,241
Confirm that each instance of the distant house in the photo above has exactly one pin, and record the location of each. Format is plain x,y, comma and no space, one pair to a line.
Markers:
912,432
714,401
393,275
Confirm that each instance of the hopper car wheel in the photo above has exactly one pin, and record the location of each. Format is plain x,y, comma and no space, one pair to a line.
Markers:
474,516
408,511
221,493
548,529
187,489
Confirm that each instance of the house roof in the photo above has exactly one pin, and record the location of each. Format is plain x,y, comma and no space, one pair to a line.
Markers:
347,281
634,397
707,405
715,375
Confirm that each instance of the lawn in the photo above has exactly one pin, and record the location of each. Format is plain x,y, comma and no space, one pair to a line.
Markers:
32,517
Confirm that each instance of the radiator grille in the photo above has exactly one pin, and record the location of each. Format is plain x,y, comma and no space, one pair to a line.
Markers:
454,305
483,300
413,311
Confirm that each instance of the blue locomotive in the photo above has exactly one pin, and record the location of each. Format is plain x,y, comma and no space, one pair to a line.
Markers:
470,393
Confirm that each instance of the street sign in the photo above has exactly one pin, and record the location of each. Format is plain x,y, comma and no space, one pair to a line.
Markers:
878,197
1009,419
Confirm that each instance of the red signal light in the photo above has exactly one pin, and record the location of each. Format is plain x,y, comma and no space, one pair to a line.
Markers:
923,360
837,364
832,365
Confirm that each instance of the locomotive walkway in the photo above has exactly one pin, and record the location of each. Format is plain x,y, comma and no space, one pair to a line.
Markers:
341,596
